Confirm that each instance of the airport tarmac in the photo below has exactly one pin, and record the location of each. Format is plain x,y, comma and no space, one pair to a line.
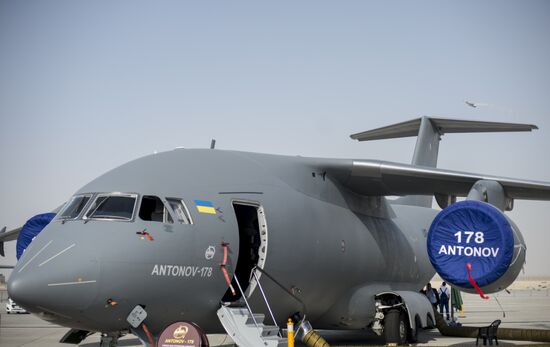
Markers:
524,308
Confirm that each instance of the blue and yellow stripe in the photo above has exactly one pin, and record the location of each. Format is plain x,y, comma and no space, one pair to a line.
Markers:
204,206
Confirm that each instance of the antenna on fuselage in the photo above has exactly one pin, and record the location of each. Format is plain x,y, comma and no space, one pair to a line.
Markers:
213,144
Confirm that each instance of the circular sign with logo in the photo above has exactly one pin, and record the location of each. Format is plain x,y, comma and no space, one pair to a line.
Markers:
182,334
210,252
470,234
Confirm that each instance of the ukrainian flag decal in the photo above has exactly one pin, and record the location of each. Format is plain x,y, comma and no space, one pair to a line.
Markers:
205,206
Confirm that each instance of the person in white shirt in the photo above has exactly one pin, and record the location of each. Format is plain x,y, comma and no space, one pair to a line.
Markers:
444,295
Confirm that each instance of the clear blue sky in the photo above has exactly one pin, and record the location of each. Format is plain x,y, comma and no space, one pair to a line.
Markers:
88,85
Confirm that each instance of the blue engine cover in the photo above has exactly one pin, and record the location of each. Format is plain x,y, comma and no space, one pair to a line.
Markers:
29,231
471,232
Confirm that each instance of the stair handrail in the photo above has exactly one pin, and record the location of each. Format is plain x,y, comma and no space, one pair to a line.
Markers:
286,290
246,301
265,300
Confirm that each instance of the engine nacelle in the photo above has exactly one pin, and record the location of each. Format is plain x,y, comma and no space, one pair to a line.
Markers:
476,233
491,192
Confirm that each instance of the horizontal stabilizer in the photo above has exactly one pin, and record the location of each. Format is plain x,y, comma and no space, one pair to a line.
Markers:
442,125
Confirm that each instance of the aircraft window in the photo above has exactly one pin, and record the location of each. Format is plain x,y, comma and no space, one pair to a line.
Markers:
117,206
153,209
180,210
73,208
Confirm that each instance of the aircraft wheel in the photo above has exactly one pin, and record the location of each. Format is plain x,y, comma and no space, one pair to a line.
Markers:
413,334
395,327
430,321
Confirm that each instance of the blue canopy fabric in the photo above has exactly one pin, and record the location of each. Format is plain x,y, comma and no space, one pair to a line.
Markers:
29,231
471,232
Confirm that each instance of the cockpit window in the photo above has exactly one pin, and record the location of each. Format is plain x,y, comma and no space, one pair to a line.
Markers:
112,206
153,209
180,210
73,208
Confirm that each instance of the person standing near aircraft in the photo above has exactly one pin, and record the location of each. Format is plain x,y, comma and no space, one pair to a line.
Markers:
444,299
432,295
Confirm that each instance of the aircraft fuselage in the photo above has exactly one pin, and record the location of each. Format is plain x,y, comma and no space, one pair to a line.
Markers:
332,248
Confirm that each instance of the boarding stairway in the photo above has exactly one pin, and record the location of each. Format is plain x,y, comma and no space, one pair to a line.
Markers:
248,329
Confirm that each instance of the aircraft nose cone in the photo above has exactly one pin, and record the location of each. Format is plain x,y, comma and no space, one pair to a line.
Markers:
55,278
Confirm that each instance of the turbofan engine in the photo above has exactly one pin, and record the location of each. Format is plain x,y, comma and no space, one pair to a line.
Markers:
473,244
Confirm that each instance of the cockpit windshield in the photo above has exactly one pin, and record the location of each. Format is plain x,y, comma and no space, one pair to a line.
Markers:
73,208
112,206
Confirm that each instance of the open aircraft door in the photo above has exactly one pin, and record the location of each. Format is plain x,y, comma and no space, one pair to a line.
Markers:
253,238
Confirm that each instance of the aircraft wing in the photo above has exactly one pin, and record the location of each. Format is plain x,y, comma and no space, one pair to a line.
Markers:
13,234
373,177
7,236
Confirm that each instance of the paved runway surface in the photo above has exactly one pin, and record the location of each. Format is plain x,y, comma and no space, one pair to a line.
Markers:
524,309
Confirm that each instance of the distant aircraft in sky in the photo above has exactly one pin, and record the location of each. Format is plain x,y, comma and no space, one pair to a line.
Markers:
483,104
224,239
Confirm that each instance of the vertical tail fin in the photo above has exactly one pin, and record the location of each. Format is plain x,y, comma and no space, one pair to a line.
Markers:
429,131
427,144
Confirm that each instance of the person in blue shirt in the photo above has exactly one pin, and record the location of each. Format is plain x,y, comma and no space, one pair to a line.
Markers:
432,295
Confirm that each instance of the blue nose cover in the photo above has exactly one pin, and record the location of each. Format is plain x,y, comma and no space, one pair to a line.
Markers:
470,232
32,228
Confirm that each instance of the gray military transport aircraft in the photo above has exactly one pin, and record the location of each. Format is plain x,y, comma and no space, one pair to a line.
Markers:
180,235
